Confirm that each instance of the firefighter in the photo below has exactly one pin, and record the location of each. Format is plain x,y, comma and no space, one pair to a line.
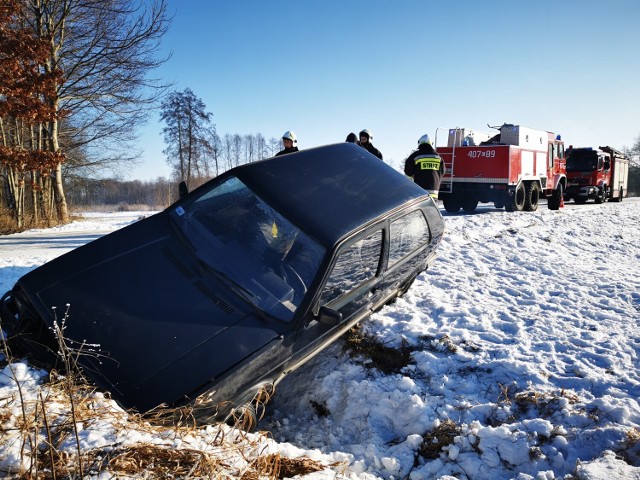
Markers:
289,140
425,166
365,142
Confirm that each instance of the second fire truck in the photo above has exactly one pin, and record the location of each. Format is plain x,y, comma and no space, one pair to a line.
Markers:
601,174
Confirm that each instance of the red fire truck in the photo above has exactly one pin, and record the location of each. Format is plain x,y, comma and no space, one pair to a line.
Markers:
601,174
512,169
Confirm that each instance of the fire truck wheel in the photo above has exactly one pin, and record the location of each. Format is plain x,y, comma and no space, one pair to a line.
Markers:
516,203
451,205
556,198
532,196
469,205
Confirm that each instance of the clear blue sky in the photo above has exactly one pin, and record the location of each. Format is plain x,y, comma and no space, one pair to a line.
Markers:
405,68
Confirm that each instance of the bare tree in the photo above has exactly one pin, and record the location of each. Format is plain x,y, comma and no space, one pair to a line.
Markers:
236,149
105,49
275,145
216,151
634,167
188,136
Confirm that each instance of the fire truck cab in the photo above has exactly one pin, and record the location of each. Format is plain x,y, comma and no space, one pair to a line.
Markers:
597,173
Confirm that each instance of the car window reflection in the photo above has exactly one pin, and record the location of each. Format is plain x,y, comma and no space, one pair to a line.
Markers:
235,232
407,233
356,264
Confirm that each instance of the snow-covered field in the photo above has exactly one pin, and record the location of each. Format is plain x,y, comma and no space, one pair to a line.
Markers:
524,338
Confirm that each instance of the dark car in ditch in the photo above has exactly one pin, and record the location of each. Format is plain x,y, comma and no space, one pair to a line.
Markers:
236,284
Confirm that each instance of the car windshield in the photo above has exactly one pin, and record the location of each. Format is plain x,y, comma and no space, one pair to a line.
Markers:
268,260
582,161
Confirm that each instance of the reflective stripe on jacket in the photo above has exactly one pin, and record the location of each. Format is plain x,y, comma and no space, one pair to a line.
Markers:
428,162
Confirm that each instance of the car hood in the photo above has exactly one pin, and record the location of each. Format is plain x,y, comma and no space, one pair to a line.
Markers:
150,323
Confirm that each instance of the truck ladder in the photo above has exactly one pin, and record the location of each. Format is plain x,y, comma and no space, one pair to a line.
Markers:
453,156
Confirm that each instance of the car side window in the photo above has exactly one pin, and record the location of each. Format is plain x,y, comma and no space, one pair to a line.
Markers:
407,234
356,264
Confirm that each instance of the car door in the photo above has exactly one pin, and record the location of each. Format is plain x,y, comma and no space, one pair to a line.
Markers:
350,290
409,248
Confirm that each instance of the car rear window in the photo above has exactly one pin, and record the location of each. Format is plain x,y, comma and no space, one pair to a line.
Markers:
407,234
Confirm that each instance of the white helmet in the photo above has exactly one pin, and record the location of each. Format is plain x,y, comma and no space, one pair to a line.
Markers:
366,133
424,139
289,135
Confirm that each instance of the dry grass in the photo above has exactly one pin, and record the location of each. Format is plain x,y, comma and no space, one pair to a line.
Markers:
46,430
8,224
44,434
276,466
441,436
631,449
377,355
547,403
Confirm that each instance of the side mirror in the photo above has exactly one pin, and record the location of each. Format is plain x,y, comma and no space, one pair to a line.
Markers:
328,316
182,189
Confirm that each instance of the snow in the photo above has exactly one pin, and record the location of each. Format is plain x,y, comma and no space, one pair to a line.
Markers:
525,336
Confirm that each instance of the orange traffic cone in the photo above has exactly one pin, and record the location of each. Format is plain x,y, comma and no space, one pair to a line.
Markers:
561,201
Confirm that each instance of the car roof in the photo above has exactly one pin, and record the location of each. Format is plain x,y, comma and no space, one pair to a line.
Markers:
329,191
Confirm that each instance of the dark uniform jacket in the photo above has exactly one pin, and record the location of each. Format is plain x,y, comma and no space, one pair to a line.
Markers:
371,149
425,166
287,150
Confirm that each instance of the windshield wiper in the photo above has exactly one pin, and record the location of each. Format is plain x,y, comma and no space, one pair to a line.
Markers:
242,291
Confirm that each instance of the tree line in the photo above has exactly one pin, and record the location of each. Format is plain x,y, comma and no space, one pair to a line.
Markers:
228,151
